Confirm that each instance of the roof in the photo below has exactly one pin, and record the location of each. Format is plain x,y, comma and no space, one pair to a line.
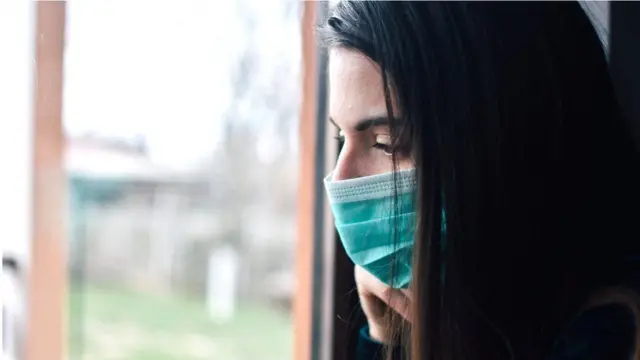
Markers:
106,159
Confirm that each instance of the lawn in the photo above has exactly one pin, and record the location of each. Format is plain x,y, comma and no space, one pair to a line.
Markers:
109,324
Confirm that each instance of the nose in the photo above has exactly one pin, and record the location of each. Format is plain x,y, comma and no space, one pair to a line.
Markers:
347,165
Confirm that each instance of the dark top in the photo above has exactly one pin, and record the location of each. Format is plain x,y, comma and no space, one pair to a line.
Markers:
602,333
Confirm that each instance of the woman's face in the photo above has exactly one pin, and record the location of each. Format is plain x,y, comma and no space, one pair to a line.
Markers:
357,107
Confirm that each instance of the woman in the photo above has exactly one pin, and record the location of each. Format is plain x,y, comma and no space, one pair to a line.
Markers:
486,190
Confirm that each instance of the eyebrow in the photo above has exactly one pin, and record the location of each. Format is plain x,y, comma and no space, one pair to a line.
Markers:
367,123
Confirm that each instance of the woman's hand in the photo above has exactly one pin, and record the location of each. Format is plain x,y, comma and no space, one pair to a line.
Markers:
375,298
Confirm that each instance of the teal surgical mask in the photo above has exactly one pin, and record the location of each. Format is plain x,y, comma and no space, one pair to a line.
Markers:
377,232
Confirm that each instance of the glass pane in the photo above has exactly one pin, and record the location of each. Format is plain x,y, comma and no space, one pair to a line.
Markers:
181,123
17,22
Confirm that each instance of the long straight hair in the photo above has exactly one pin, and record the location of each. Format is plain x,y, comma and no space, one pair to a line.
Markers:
517,138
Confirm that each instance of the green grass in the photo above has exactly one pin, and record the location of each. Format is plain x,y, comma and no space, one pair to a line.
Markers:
116,324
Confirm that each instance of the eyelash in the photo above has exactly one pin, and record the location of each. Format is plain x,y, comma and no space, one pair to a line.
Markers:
384,147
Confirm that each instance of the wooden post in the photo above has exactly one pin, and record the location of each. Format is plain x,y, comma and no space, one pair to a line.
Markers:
47,277
303,299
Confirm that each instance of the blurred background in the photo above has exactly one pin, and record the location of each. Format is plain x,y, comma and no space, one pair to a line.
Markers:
181,158
180,121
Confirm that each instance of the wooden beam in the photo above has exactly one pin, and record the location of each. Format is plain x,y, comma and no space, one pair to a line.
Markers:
303,299
47,277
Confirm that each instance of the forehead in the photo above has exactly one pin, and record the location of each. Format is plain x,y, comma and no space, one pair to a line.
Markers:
355,87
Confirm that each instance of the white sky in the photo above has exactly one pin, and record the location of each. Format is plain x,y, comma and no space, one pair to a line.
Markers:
150,67
16,66
156,68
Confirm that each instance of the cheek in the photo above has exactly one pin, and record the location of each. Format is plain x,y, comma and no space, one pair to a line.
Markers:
405,164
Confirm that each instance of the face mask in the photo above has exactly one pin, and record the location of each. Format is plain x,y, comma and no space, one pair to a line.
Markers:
376,232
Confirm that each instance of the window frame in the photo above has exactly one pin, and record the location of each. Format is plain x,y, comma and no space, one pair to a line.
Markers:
47,275
315,338
337,315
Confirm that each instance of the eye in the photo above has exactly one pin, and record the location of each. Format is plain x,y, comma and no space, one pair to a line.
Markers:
340,138
383,142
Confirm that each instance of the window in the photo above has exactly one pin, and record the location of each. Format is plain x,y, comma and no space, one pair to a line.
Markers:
105,171
181,120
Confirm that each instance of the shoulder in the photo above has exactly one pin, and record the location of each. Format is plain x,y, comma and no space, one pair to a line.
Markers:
603,332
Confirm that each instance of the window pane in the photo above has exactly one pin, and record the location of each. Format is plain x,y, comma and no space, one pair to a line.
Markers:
16,128
181,122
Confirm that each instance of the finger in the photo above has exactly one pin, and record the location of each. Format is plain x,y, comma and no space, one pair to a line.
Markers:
407,293
368,283
394,298
398,301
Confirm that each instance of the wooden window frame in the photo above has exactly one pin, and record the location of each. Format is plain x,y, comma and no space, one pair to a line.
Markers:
328,315
47,275
316,242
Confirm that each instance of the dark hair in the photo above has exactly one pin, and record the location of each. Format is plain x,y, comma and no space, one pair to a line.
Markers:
512,122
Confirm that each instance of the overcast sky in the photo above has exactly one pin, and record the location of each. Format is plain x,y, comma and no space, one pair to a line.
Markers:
153,68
